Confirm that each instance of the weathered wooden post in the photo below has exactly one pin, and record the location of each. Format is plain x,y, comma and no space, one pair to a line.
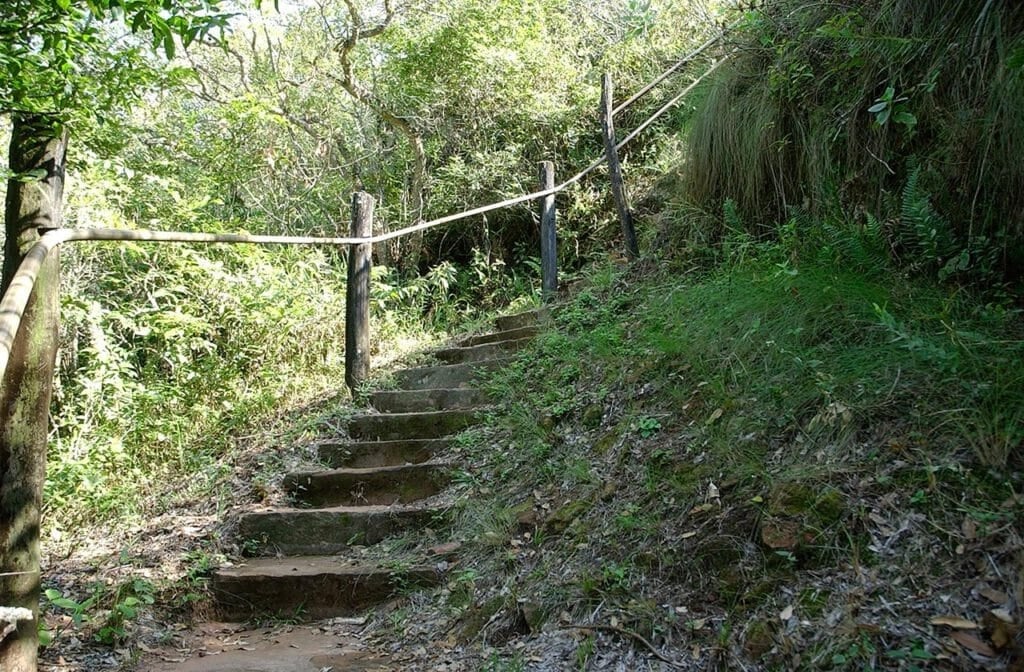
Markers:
28,382
615,169
548,239
357,302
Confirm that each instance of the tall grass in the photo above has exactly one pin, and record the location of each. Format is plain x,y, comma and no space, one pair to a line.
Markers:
830,107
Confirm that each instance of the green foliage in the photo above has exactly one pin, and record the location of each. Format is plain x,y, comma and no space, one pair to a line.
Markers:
889,106
106,613
795,381
647,427
62,59
832,109
171,349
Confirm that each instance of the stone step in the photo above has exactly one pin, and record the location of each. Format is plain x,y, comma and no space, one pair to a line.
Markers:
495,336
367,454
526,319
411,401
288,531
446,376
358,487
479,353
393,426
309,587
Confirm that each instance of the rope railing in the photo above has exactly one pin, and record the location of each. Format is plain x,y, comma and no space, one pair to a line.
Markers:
12,306
670,104
711,41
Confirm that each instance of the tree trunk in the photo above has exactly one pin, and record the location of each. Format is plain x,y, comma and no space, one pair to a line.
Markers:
36,145
407,252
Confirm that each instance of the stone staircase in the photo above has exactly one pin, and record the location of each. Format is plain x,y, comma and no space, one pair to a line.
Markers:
387,479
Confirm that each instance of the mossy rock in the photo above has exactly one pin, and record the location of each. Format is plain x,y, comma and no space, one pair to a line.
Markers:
534,615
592,416
606,441
759,638
564,516
478,616
524,514
791,499
822,507
829,507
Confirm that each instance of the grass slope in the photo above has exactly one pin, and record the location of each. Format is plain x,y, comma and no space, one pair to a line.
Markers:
778,465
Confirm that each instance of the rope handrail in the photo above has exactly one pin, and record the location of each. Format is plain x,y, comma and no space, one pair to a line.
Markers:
672,103
670,71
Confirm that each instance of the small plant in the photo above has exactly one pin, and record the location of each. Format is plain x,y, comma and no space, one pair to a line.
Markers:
861,650
915,652
585,651
77,610
890,106
252,547
495,663
111,622
648,427
463,589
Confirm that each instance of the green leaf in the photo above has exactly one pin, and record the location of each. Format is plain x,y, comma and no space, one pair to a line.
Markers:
169,45
140,22
1015,61
906,118
65,603
878,107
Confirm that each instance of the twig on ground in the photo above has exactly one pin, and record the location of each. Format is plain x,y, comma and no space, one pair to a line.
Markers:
629,633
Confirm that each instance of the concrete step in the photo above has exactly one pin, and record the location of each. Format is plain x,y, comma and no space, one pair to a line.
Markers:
411,401
446,376
358,487
495,336
309,587
393,426
529,318
288,531
479,353
367,454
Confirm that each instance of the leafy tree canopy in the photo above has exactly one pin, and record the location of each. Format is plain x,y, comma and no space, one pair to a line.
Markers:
68,58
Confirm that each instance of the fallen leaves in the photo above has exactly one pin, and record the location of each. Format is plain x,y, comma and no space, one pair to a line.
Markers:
998,624
993,595
955,622
969,641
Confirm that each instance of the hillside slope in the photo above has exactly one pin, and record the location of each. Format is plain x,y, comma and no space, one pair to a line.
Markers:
770,465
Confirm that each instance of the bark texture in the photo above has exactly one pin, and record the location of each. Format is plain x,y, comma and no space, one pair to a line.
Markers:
34,200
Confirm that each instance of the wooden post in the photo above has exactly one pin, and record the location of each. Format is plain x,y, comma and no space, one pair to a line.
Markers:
548,239
28,382
357,303
615,169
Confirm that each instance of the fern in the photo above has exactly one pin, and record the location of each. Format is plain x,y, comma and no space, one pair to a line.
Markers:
924,233
731,215
863,249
